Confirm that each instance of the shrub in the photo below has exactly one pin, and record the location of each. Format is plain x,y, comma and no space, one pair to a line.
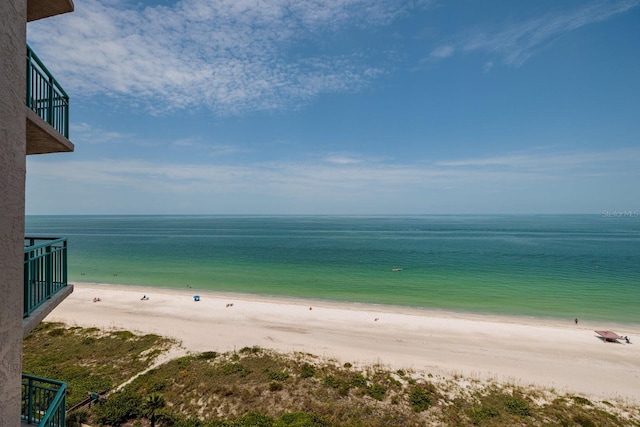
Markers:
87,341
394,381
479,414
235,368
332,381
56,332
516,405
358,380
376,391
77,418
299,419
277,375
148,383
275,386
119,408
583,421
343,390
208,355
184,362
123,335
169,418
251,350
254,420
152,406
190,422
421,397
307,371
581,400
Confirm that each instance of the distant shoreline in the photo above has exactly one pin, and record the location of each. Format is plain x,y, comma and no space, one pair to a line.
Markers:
542,352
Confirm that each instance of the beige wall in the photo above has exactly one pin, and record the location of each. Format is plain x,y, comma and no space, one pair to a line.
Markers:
12,187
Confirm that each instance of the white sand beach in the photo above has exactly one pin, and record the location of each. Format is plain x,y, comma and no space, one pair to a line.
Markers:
549,353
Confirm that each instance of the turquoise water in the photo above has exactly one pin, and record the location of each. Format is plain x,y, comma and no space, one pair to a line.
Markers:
585,266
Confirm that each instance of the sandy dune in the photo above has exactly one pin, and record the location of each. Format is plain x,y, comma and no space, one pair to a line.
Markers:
550,353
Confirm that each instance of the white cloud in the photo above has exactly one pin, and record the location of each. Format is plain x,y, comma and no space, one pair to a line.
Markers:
342,160
537,175
88,134
229,56
517,42
443,51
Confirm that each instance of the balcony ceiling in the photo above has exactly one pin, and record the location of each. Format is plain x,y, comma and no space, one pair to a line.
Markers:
42,138
39,9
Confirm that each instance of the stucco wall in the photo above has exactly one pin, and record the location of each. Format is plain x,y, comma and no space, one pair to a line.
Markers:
12,187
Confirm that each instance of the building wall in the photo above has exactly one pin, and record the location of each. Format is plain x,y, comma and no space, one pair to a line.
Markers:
12,189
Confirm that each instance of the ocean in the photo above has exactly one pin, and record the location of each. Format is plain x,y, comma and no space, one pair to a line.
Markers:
546,266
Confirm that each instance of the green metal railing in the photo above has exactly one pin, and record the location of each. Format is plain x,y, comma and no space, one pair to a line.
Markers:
43,401
45,96
45,270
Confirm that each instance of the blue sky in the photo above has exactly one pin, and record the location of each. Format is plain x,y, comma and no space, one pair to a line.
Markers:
343,107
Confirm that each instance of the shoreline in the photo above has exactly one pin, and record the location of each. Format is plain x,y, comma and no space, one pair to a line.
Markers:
368,306
551,353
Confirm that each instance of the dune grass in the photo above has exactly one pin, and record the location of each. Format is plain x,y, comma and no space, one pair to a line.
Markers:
88,359
260,387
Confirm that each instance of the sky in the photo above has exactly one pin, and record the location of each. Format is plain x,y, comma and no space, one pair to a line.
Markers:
345,107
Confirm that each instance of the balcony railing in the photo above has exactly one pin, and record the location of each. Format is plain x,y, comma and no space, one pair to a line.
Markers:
45,270
43,401
45,96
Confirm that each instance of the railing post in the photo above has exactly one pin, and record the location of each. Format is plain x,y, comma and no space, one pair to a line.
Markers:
64,262
65,111
48,274
30,400
29,88
27,288
50,101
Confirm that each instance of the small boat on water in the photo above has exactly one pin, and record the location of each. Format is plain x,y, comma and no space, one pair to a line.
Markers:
395,269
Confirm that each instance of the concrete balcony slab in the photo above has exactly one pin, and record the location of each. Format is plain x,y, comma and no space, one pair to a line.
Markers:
40,9
38,315
42,138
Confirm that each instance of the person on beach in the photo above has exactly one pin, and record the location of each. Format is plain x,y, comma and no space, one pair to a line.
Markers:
576,320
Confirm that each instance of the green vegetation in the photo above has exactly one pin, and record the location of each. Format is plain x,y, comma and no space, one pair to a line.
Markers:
421,397
152,406
89,360
258,387
307,371
119,408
